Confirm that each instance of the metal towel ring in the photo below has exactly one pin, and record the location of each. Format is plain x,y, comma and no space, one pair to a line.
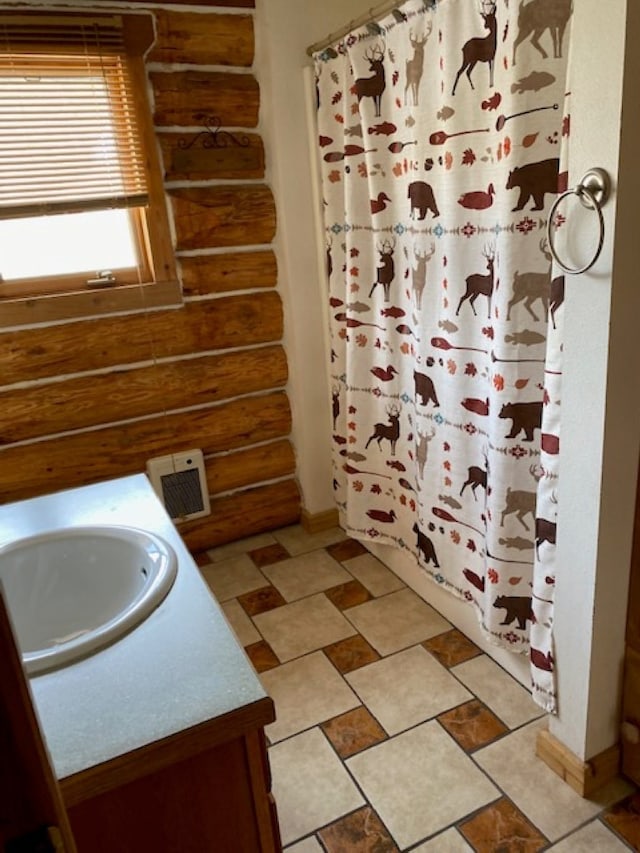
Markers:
593,192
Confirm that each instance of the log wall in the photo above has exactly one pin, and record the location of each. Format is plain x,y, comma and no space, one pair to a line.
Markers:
95,398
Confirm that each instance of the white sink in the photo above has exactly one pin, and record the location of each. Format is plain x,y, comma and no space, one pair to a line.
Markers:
71,592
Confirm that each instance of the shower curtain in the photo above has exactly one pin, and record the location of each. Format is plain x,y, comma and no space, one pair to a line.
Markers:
441,131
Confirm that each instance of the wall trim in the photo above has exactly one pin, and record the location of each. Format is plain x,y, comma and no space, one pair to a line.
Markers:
318,521
585,777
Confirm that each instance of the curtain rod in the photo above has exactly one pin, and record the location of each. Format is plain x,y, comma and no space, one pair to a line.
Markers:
376,12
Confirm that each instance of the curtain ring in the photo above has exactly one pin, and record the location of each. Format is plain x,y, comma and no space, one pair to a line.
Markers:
592,191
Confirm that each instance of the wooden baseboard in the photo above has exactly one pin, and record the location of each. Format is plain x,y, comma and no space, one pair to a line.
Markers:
585,777
319,521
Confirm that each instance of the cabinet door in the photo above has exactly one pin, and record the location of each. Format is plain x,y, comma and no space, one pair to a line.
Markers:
30,800
204,803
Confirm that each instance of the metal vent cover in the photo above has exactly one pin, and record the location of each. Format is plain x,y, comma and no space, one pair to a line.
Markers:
180,482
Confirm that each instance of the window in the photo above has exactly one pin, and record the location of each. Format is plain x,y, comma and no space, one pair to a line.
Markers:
82,206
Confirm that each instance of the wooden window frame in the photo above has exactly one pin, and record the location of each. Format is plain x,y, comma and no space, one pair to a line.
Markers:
67,297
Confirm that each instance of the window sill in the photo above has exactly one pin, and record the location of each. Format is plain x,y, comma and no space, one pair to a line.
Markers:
85,304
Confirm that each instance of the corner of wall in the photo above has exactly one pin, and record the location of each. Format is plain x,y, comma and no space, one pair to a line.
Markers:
280,58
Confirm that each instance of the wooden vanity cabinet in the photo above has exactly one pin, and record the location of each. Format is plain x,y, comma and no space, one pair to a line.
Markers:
204,789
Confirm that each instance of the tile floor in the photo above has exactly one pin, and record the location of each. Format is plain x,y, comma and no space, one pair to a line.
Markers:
394,731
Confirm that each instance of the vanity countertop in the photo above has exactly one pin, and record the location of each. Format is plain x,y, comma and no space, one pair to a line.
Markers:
179,668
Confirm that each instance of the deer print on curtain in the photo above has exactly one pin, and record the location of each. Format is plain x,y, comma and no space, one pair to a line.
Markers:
440,160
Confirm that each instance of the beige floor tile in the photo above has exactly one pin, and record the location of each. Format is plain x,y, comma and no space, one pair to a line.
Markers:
303,626
447,842
244,629
241,546
306,691
593,838
309,845
306,574
498,690
548,802
373,574
297,541
406,688
232,577
420,782
396,621
310,785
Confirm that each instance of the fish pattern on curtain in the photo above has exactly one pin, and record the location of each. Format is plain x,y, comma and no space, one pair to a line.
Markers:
440,135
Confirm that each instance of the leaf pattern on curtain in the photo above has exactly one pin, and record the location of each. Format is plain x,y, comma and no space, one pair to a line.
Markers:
440,161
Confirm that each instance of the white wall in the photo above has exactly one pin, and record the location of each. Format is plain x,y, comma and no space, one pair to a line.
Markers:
601,406
601,410
284,30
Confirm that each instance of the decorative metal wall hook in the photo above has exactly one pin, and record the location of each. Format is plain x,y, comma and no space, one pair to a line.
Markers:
592,191
596,185
212,136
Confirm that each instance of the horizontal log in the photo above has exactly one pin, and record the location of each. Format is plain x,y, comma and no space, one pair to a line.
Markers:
87,401
205,274
203,38
182,96
245,513
222,4
42,467
208,217
222,323
243,468
201,155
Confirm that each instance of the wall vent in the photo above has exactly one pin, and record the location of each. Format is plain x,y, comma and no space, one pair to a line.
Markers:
180,482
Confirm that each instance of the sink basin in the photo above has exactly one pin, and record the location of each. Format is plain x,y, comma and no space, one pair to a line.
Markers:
73,591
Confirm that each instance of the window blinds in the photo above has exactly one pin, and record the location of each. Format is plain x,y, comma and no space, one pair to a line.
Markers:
68,134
